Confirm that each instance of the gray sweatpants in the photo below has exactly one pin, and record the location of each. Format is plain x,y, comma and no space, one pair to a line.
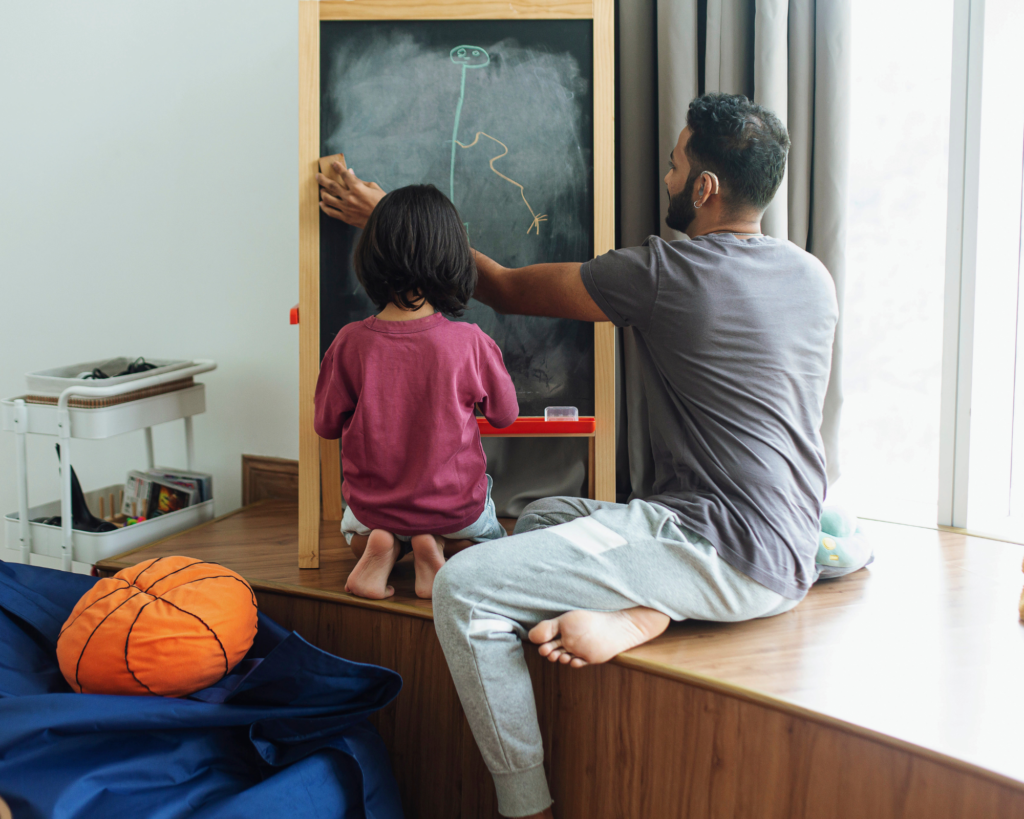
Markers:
567,553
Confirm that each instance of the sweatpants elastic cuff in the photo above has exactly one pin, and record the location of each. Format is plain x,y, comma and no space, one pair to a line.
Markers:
522,793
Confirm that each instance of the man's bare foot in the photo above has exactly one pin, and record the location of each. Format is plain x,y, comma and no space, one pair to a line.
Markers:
428,558
579,638
370,576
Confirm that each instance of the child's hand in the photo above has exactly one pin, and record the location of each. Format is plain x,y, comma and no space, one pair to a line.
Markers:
352,200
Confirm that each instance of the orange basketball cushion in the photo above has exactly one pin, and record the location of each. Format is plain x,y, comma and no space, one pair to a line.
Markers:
169,626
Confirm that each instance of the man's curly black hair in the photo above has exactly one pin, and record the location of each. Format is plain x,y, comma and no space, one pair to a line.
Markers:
744,144
415,243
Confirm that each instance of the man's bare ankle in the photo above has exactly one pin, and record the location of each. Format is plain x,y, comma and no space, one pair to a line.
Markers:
649,622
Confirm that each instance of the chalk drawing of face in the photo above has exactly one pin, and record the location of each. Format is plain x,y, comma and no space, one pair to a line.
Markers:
469,56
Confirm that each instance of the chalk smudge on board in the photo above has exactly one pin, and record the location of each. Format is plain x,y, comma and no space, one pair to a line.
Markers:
389,104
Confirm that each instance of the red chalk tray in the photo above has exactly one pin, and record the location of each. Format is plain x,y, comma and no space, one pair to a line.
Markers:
536,425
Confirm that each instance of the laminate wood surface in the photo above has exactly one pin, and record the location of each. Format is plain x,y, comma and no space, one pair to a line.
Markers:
924,646
259,543
890,693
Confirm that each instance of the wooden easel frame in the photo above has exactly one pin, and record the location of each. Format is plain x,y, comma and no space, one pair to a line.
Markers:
319,460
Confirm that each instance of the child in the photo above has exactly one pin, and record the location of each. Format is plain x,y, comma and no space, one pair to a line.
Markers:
400,389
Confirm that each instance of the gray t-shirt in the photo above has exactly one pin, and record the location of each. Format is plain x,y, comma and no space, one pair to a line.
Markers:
735,343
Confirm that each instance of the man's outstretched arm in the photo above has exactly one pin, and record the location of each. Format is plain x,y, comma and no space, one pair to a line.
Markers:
554,290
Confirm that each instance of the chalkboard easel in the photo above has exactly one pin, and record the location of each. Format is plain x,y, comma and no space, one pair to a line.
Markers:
390,21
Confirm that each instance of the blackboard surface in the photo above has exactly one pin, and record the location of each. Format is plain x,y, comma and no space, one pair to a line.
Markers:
498,115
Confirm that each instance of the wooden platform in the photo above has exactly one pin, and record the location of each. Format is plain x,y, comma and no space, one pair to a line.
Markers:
890,693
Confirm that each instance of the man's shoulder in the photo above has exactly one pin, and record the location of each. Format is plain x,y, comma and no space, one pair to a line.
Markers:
801,256
810,282
686,260
621,257
811,266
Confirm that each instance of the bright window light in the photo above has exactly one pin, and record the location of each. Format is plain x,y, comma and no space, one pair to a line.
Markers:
896,259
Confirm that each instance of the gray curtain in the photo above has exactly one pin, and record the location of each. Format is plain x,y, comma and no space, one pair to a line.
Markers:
792,56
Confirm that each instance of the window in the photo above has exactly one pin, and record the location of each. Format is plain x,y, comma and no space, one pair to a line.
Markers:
982,437
933,423
896,251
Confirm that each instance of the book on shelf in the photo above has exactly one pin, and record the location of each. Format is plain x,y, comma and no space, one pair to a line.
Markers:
161,490
200,481
149,496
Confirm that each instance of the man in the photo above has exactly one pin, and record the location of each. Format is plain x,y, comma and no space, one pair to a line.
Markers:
734,331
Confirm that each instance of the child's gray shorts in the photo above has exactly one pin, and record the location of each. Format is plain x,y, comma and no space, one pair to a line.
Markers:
485,528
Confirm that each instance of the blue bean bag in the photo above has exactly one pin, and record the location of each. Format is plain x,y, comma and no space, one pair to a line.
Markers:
285,734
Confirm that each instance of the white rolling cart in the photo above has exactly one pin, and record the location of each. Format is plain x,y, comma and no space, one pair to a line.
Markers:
67,422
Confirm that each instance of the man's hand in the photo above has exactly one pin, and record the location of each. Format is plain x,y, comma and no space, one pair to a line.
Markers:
352,200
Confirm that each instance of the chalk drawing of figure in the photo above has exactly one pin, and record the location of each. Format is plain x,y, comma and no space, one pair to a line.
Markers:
469,57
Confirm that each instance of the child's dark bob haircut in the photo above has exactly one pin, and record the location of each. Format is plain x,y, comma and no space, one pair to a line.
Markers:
415,248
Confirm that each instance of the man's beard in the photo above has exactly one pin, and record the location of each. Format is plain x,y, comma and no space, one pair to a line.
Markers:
681,211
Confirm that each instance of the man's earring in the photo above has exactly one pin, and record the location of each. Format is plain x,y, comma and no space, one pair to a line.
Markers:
697,205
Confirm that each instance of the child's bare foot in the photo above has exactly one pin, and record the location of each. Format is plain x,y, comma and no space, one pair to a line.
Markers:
358,545
578,638
370,576
428,558
453,547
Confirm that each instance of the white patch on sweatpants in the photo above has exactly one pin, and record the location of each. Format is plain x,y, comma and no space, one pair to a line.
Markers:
589,535
489,627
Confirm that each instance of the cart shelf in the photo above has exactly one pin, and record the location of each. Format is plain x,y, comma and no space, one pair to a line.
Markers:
106,422
158,400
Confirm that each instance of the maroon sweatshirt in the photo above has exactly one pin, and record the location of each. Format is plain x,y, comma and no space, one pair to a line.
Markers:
400,395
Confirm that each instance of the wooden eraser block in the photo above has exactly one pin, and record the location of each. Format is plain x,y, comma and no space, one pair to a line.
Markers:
327,170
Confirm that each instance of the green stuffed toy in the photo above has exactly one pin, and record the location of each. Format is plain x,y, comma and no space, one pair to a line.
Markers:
842,547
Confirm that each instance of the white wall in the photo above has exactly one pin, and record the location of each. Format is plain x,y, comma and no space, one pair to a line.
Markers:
148,206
